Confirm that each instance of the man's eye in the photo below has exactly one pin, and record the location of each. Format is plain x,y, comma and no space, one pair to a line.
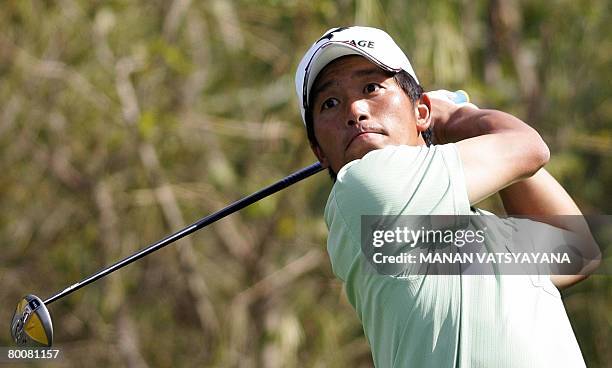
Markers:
372,87
329,103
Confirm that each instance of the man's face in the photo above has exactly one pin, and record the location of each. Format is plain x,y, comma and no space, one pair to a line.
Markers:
357,108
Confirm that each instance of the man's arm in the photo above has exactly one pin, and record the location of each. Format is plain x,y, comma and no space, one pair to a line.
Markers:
496,149
539,196
543,199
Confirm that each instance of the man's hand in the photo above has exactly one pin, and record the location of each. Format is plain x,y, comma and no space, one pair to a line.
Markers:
443,105
441,110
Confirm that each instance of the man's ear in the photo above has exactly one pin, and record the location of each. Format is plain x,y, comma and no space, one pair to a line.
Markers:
423,113
320,154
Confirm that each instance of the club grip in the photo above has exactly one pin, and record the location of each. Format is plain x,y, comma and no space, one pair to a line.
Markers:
460,96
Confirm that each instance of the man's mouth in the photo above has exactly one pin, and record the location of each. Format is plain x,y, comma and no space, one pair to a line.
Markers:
358,135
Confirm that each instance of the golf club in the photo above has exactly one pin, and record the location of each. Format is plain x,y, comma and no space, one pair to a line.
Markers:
31,324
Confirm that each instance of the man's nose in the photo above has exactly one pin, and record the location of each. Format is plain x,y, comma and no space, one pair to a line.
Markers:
358,112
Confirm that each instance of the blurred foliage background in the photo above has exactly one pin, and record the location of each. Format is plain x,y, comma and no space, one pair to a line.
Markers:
122,121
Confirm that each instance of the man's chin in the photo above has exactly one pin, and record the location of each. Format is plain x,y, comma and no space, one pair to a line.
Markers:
358,151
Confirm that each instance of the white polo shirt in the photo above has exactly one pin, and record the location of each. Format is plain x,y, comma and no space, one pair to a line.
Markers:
437,321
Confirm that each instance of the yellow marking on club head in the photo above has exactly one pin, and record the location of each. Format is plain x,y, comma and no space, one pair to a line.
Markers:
35,330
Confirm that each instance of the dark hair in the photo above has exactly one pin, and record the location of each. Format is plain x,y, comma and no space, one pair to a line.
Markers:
407,83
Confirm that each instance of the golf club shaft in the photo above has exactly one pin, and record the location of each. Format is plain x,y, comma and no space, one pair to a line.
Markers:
238,205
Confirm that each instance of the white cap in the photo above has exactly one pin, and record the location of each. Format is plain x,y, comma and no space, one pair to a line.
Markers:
372,43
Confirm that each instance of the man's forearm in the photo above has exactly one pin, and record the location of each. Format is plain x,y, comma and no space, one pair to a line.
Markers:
496,148
539,195
470,122
520,145
543,199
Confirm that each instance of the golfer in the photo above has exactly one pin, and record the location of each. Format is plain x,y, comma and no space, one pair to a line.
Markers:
368,122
